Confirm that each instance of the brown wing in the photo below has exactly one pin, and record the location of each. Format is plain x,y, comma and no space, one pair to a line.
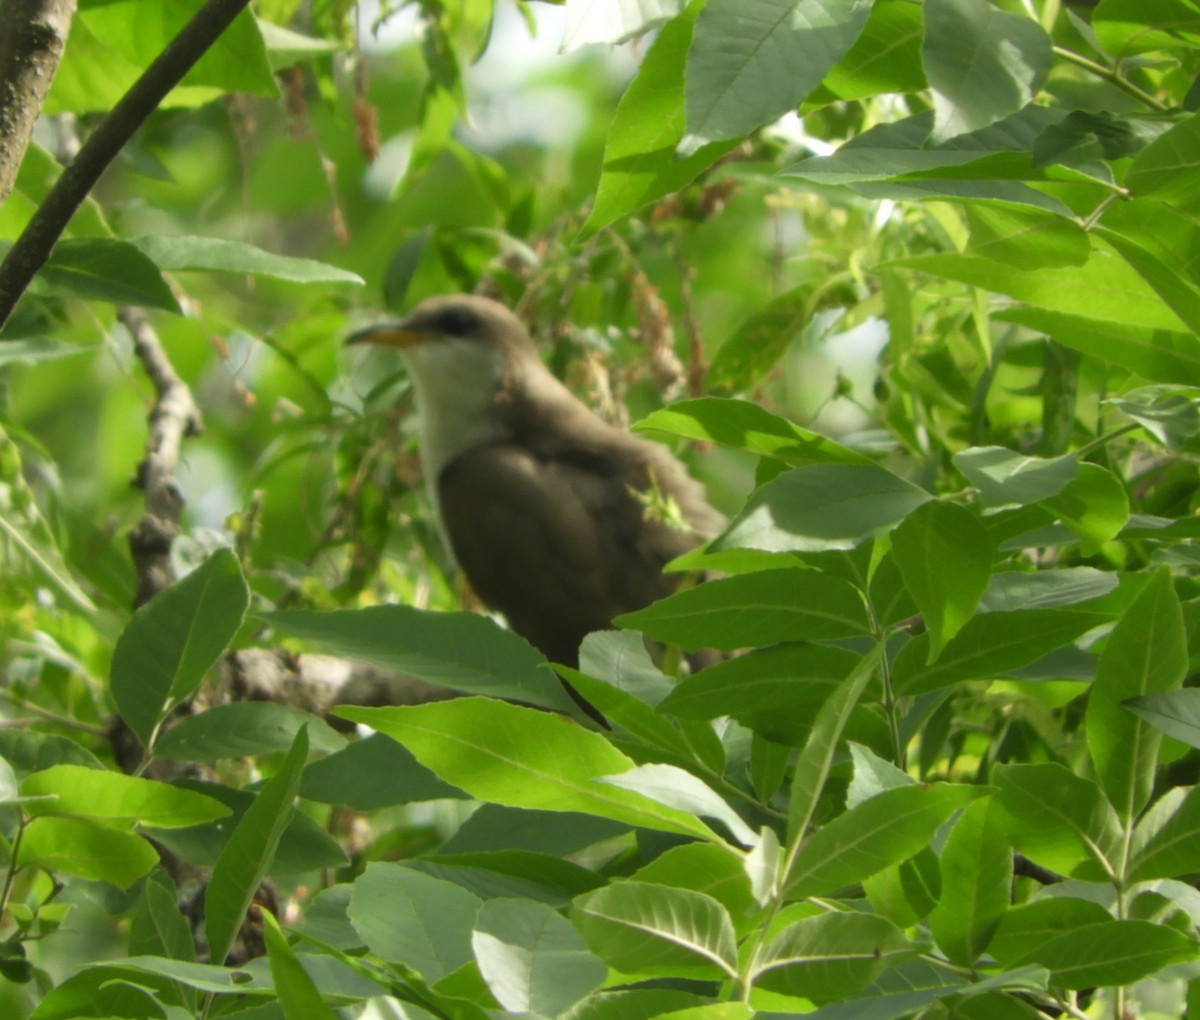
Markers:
558,547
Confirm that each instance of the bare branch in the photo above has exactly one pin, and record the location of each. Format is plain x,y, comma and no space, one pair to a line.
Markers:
173,416
33,35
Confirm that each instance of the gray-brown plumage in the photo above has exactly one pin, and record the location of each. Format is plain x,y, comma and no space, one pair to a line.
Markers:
536,493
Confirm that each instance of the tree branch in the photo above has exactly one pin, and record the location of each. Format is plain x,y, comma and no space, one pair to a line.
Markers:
174,416
33,35
37,241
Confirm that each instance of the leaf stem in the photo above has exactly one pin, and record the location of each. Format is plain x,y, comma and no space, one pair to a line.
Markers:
1110,76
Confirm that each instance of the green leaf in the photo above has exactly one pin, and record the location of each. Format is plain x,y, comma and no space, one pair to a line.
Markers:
1103,288
28,751
1025,238
679,789
1176,292
532,959
885,58
156,927
708,869
751,610
101,269
1167,168
884,830
118,799
305,846
757,345
1005,478
1124,28
35,350
1012,591
521,757
372,773
243,729
408,918
872,776
989,645
246,858
1175,713
113,42
976,866
463,651
982,63
643,928
299,997
830,956
1169,413
1057,818
821,507
931,537
1145,654
1159,355
639,157
816,758
1113,953
1167,838
88,849
182,252
747,426
1094,505
172,641
750,64
1028,926
774,691
591,21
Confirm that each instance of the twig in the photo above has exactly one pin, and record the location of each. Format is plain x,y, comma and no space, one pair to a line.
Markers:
173,416
37,241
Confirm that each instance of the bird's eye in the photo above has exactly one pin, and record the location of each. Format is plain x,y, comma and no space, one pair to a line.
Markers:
457,322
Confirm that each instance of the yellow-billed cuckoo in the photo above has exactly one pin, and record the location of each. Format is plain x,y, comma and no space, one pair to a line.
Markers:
542,501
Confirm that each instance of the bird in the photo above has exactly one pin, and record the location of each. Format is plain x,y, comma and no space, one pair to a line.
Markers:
552,514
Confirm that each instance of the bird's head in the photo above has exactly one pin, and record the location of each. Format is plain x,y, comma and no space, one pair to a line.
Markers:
466,356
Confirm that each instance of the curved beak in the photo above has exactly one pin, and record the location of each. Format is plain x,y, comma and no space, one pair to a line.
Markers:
390,334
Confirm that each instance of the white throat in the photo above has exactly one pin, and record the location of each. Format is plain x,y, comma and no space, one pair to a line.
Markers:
456,381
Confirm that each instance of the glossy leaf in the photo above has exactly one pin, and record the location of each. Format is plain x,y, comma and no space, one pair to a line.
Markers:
747,426
88,849
173,640
1145,654
298,994
1057,818
1006,479
751,63
215,254
932,536
982,63
639,156
822,507
522,758
242,729
244,862
976,867
990,645
643,928
531,957
886,829
829,956
117,799
752,610
408,918
1113,953
463,651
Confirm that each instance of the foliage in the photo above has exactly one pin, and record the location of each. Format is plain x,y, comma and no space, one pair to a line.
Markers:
950,773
